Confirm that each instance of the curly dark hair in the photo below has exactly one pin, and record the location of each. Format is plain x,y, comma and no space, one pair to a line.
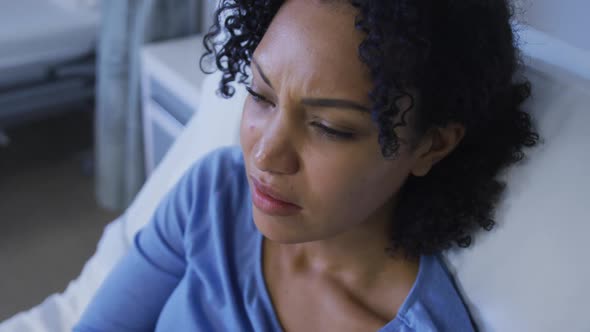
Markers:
461,58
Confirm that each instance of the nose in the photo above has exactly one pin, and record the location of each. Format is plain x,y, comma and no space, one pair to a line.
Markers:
275,151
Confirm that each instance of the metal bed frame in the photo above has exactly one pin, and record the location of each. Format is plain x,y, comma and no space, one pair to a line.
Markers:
59,87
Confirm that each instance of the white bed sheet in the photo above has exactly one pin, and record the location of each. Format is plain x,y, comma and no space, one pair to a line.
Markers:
45,31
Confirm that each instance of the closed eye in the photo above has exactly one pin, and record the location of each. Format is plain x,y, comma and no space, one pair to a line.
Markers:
331,132
258,98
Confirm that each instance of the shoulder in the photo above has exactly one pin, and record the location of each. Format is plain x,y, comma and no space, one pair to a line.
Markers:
213,173
218,166
215,182
218,222
216,188
434,303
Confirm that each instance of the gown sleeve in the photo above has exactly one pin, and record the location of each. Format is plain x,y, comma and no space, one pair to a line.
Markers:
133,295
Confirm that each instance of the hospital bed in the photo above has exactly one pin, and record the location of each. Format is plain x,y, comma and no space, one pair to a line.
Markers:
46,56
530,273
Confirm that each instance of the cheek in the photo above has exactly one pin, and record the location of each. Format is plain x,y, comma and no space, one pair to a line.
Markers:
351,193
249,130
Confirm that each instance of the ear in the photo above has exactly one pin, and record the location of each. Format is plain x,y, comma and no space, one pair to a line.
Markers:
436,144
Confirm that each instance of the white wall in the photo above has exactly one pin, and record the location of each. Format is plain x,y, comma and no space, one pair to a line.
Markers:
208,9
568,20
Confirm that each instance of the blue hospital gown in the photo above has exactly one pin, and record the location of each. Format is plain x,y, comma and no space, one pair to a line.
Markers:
197,267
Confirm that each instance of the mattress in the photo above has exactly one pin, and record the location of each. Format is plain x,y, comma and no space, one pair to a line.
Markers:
41,32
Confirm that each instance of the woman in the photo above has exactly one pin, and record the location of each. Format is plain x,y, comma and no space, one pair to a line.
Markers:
370,142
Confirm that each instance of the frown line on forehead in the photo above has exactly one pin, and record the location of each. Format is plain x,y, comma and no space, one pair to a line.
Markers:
317,102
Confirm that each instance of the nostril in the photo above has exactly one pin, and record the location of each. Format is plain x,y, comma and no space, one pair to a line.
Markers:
260,156
280,161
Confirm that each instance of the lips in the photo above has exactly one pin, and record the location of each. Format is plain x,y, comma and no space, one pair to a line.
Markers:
270,201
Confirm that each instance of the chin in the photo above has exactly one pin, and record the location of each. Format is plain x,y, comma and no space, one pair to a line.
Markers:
280,229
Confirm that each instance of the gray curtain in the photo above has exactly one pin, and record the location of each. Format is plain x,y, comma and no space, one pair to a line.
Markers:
126,26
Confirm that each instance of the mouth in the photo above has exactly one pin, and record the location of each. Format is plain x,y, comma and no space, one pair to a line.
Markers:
270,201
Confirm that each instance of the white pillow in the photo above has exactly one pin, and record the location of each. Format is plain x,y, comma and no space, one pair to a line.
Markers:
531,273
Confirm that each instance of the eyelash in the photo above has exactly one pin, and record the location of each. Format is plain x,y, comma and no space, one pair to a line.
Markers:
323,129
258,98
332,133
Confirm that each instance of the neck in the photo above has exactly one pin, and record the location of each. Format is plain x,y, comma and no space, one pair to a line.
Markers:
358,253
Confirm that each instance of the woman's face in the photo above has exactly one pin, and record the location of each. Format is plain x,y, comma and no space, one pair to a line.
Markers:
306,135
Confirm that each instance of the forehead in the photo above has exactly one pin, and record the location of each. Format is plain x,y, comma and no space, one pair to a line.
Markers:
314,44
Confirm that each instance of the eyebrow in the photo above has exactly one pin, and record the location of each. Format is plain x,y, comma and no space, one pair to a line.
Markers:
318,102
334,103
